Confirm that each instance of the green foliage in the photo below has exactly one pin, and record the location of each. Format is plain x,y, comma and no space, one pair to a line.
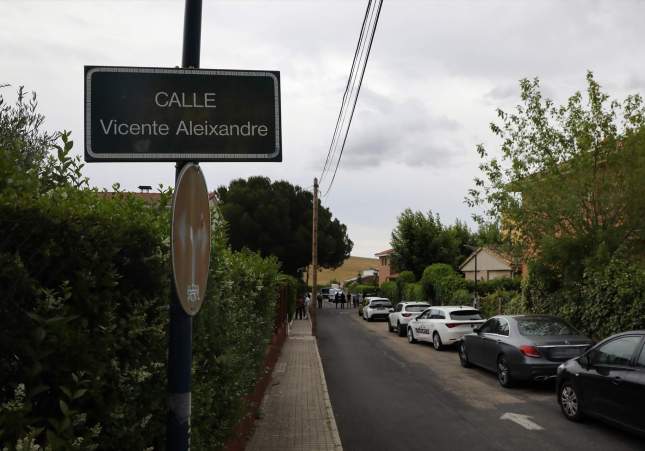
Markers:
502,302
84,291
486,287
420,240
413,292
274,218
609,299
390,290
441,283
567,190
231,335
290,284
365,289
84,330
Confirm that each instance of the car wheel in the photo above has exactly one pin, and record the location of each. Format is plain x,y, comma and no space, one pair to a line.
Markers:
401,329
389,326
463,357
504,376
411,338
436,342
369,318
569,401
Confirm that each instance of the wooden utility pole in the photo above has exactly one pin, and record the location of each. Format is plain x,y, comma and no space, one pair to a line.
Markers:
314,260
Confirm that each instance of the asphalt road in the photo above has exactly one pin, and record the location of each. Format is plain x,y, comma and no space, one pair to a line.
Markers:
390,395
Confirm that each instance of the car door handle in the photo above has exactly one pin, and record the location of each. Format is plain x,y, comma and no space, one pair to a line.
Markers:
616,380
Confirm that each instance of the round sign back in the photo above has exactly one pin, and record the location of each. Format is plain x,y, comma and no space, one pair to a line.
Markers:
191,237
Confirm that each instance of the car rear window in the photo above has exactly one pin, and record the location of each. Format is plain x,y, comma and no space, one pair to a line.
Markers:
380,304
544,326
416,308
462,315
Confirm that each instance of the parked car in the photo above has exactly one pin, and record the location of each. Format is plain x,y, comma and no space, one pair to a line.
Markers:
443,325
522,347
376,308
402,314
607,382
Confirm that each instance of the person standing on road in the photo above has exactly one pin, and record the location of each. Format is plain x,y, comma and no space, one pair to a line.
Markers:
300,306
336,299
342,299
307,302
320,300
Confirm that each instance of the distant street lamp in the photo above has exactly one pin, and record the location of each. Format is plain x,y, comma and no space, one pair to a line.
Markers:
474,249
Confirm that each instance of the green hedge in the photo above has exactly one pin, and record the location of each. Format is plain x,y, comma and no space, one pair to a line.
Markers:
84,292
610,299
390,290
84,283
85,286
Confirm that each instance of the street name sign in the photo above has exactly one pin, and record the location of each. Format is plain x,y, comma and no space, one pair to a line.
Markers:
162,114
191,238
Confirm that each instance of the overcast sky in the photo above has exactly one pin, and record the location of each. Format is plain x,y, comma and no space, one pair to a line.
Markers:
437,72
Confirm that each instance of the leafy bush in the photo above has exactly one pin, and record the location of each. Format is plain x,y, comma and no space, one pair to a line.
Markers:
441,283
84,282
84,291
609,300
486,287
231,335
365,290
389,290
413,292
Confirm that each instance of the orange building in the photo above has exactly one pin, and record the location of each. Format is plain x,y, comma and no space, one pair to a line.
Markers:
386,272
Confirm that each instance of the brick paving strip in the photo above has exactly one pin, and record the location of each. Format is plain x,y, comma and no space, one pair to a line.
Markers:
296,413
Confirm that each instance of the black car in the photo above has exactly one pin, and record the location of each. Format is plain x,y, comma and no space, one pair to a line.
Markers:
607,382
522,347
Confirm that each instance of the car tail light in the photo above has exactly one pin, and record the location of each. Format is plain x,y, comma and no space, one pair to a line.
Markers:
451,325
530,351
407,315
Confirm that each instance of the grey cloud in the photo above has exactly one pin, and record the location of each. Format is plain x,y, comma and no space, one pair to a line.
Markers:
386,130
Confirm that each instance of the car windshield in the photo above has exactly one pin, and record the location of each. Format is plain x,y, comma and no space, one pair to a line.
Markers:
544,326
380,304
462,315
416,308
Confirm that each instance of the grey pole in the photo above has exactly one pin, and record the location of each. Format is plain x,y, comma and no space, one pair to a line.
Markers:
180,333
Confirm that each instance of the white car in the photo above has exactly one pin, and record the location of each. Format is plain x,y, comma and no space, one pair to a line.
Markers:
444,325
376,308
403,313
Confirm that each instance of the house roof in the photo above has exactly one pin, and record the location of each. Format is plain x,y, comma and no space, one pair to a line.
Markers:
490,250
384,253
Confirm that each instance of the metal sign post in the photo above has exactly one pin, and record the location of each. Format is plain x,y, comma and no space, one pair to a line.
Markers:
185,115
180,340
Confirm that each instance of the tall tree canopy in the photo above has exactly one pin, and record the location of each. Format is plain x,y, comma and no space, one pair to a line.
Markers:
568,181
420,240
274,218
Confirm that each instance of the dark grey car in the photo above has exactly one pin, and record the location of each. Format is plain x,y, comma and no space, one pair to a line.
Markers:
522,347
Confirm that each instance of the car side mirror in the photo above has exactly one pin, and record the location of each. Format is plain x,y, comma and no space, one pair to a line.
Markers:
477,330
585,361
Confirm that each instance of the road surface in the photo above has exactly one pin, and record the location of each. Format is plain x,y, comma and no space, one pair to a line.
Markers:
390,395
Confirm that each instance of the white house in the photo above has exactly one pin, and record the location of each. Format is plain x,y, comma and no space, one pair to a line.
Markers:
490,265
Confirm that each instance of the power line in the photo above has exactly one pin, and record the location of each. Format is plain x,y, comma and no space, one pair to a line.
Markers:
352,81
359,45
360,82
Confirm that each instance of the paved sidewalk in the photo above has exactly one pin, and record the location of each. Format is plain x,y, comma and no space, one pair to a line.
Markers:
296,413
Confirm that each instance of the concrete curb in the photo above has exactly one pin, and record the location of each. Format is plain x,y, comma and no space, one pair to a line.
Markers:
330,411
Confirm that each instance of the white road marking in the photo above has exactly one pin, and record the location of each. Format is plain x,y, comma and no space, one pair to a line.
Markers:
522,420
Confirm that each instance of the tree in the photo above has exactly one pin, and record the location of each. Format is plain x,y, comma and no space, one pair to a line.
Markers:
420,240
274,218
442,283
568,180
